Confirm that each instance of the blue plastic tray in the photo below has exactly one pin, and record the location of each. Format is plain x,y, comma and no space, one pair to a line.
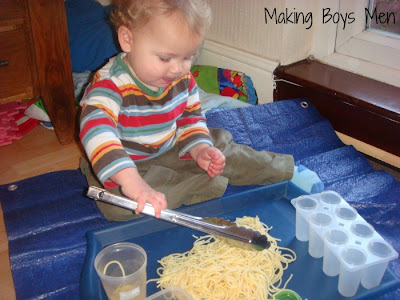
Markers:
270,203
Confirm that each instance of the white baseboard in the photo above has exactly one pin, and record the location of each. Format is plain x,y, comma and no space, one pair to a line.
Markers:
260,69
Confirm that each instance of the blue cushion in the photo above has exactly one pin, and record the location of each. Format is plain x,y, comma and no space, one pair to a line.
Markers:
92,38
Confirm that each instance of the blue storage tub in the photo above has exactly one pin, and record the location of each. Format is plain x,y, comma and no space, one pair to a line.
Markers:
270,203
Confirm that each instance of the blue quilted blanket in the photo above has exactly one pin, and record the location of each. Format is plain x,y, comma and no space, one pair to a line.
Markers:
47,216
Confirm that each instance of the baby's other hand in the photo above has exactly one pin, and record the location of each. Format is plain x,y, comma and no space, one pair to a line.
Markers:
211,160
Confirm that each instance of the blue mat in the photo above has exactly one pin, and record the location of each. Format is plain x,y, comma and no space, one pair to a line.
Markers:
47,216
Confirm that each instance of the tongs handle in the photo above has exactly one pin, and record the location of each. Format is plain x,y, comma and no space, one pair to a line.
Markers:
167,214
104,196
249,237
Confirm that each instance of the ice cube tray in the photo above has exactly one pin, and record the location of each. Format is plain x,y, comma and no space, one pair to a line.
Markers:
350,247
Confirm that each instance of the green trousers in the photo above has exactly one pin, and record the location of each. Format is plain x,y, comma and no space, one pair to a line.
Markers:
184,182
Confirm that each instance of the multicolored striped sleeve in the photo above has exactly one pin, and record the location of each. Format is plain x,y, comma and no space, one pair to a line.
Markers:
191,126
98,131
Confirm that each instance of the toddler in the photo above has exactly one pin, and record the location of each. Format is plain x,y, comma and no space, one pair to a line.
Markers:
141,123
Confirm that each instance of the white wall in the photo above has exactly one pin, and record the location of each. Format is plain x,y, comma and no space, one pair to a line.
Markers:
240,39
240,36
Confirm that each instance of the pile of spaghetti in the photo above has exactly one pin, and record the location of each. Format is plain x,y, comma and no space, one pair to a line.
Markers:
213,269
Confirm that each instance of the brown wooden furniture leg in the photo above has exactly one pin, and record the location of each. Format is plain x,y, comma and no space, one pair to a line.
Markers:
50,39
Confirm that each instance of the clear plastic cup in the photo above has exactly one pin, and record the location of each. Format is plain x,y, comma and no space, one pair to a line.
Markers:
304,206
350,272
330,198
315,243
334,239
374,273
122,271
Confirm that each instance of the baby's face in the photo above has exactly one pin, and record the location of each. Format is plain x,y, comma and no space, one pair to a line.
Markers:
162,51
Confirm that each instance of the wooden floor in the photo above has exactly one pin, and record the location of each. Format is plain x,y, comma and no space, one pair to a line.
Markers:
38,152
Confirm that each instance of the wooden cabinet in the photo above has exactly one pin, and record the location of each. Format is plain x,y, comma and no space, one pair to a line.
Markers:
35,60
357,106
16,80
18,75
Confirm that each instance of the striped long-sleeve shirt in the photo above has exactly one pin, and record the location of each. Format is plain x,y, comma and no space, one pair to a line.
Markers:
122,121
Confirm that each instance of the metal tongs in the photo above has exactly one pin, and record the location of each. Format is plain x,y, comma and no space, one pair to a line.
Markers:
238,236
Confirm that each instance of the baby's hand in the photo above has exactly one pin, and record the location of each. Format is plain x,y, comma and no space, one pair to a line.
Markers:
134,187
211,160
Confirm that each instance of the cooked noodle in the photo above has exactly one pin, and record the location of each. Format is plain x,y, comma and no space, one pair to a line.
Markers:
213,269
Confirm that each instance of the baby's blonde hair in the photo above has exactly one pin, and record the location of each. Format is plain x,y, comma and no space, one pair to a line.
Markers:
134,14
